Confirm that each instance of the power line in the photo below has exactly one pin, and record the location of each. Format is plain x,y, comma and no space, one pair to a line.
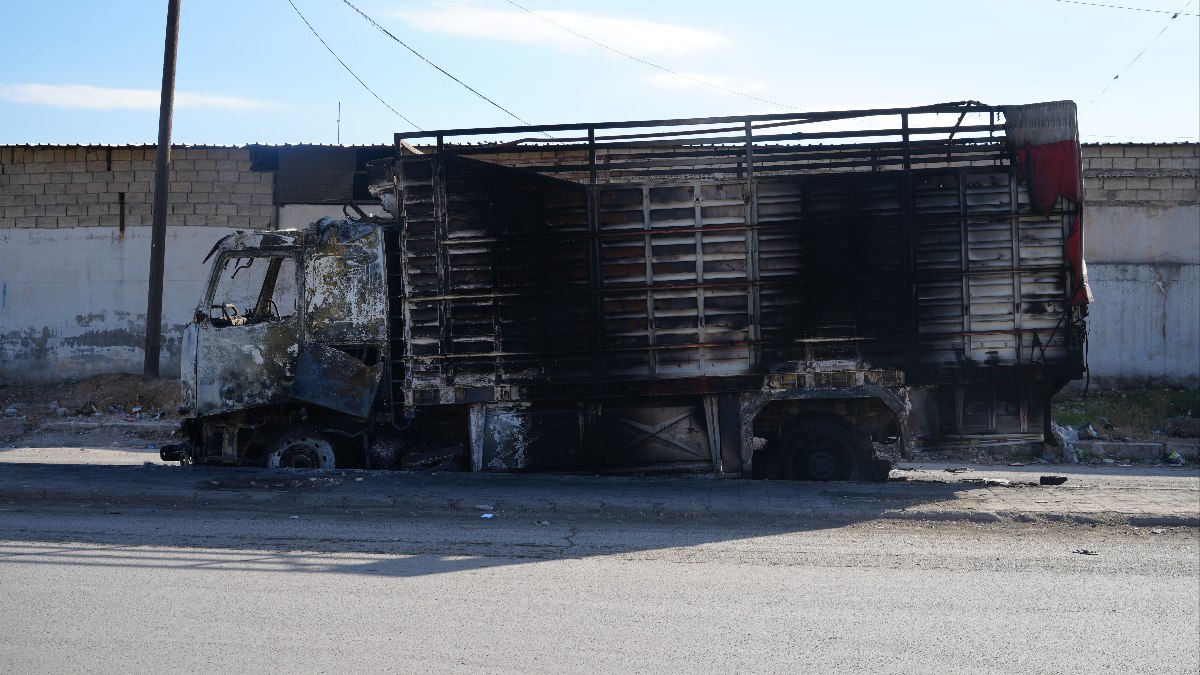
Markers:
339,60
648,63
1156,138
1132,9
439,68
1114,79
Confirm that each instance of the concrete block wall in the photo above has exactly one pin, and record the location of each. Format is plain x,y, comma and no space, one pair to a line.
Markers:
1142,246
70,186
75,245
1129,174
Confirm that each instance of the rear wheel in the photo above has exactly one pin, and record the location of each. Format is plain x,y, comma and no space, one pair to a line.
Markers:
301,449
820,450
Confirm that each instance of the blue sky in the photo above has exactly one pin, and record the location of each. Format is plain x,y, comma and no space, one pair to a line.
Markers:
250,71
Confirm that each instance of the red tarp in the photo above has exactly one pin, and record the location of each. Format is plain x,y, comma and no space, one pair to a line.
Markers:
1052,171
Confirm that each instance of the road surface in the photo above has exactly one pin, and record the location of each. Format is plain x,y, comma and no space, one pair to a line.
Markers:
135,589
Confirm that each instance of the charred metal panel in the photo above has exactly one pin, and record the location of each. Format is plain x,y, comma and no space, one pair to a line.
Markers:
520,437
345,292
613,436
240,367
336,380
634,434
188,369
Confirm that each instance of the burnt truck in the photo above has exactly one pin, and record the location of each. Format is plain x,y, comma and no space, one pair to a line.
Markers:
799,296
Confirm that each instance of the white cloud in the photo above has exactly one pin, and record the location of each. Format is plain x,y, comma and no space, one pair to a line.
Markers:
109,98
698,80
634,36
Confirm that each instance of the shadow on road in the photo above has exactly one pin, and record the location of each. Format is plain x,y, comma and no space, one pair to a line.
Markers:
411,525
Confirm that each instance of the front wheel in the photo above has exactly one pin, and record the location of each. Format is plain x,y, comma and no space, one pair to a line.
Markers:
301,449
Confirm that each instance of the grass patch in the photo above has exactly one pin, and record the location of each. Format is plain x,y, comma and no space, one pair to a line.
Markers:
1133,412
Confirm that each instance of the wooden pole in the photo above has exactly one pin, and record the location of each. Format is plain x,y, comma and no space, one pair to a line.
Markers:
158,236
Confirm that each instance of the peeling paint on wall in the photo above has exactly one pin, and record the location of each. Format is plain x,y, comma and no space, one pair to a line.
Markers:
79,296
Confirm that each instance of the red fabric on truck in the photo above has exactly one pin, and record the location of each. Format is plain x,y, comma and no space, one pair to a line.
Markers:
1051,171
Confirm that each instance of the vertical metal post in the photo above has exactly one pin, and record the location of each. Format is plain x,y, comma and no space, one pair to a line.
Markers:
749,151
591,156
158,236
908,209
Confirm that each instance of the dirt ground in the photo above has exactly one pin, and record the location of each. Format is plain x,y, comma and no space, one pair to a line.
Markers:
102,399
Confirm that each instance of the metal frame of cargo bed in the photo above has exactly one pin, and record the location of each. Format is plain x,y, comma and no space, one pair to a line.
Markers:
736,145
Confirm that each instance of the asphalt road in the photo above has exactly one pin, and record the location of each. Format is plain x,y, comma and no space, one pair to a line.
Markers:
131,589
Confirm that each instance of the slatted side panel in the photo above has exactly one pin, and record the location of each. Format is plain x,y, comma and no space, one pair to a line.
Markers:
415,353
498,276
674,280
990,283
515,279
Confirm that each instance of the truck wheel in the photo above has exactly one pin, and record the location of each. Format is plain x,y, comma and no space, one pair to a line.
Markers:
820,450
301,449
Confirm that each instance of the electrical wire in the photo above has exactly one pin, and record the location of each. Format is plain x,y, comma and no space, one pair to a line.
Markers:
436,66
1132,9
1126,69
648,63
339,60
1159,139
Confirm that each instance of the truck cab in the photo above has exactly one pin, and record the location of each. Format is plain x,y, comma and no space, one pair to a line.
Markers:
286,342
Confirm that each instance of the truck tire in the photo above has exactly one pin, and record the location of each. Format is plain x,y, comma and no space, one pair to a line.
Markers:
301,448
820,450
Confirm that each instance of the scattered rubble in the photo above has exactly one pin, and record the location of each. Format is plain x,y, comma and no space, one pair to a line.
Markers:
1182,426
75,405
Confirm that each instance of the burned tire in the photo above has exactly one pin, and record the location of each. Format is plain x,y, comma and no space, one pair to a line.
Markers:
821,450
301,449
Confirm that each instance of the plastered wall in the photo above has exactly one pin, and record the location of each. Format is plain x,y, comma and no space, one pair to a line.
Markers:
1142,246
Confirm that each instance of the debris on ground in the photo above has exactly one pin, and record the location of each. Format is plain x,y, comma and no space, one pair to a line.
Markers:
1086,551
1066,438
994,482
1052,480
1129,414
122,397
449,458
1182,426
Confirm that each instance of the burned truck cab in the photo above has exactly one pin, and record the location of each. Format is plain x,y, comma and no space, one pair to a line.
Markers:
283,358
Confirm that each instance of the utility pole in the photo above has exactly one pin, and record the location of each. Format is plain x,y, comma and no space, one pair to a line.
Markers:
158,236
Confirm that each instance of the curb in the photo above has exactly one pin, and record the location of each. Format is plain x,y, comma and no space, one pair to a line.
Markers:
91,425
424,504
